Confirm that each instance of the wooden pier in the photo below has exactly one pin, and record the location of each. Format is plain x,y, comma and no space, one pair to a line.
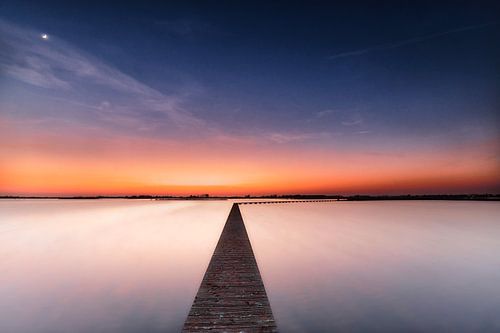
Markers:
231,297
255,202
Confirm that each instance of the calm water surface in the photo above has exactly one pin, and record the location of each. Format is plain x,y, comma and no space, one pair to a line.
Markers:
135,266
105,265
380,266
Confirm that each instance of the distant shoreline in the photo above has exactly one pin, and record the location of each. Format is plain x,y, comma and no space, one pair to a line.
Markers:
458,197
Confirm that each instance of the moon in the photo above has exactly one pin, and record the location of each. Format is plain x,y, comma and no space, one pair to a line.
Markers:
44,36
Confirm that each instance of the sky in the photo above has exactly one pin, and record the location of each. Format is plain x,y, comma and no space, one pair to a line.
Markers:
176,98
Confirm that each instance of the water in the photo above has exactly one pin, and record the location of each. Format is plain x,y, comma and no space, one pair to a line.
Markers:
105,265
394,266
135,266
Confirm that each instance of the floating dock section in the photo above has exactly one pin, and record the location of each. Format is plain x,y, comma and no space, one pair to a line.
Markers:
231,297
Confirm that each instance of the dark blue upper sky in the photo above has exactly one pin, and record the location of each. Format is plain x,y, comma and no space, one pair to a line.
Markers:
277,60
356,73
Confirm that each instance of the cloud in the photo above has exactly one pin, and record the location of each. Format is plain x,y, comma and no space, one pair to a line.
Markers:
324,113
59,66
408,41
79,88
35,76
354,121
283,137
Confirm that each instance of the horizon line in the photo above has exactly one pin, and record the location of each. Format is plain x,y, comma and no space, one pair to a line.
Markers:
268,196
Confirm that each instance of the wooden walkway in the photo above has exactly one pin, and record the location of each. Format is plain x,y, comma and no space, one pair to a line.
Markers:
284,201
231,297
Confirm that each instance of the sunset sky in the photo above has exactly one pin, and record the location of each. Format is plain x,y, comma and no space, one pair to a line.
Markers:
224,98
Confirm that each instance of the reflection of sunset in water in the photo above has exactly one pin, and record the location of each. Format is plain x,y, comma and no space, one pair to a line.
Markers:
103,265
379,266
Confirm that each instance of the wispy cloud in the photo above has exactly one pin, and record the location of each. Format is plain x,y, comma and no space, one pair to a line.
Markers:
96,94
353,121
347,118
408,41
324,113
284,137
57,65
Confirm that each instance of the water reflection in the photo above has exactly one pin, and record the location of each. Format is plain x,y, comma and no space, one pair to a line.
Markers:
379,266
103,266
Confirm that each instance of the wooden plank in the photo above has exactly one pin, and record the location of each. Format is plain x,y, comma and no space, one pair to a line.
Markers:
232,297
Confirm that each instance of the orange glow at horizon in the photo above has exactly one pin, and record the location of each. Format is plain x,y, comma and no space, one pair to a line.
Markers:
35,174
87,164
